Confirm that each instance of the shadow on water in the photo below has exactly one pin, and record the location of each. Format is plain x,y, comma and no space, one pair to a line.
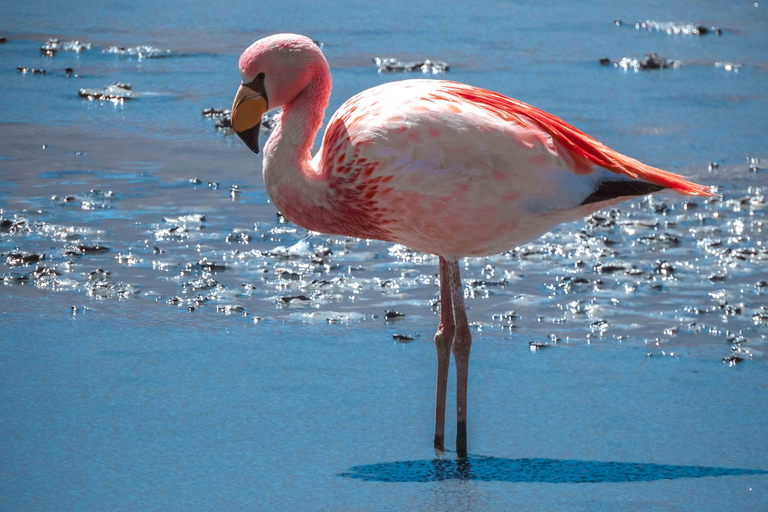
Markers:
495,469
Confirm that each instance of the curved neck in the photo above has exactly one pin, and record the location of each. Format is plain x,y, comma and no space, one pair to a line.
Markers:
287,157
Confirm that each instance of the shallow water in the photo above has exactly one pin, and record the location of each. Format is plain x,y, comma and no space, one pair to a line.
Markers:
173,344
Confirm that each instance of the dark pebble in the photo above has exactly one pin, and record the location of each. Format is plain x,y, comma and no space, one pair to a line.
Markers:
225,123
605,61
82,249
16,259
242,238
599,268
118,91
41,272
3,40
391,314
216,112
509,316
25,70
288,300
664,268
98,275
732,360
389,65
92,249
207,265
402,338
538,345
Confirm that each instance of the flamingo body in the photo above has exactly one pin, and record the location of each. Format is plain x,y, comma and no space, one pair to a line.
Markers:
437,166
454,170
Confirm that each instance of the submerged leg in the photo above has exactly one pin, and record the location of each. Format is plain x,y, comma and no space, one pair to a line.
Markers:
462,342
443,340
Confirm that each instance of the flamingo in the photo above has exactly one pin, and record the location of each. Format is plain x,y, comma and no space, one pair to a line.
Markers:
438,166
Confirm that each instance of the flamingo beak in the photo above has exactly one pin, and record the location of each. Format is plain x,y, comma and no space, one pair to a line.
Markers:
247,110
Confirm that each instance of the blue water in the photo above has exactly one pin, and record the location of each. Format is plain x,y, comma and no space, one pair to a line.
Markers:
137,380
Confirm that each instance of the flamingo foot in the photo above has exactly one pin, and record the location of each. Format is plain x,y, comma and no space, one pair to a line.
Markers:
461,439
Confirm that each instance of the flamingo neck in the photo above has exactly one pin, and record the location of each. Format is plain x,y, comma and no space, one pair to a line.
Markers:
288,166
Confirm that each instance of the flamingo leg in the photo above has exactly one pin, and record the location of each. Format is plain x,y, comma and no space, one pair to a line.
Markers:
462,342
443,341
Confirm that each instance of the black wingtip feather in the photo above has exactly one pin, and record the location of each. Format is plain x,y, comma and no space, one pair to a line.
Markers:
612,189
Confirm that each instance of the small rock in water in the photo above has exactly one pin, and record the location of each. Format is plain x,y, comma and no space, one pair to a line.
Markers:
54,45
206,265
186,219
33,71
391,64
676,28
238,237
2,40
287,275
651,61
538,345
297,299
117,92
230,309
605,61
98,275
391,314
224,124
216,112
142,51
81,249
402,338
268,121
712,166
664,268
42,271
732,360
17,259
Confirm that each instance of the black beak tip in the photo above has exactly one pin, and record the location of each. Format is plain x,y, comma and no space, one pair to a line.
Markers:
251,138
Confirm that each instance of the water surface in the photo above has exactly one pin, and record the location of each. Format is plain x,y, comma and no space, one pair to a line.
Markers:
168,342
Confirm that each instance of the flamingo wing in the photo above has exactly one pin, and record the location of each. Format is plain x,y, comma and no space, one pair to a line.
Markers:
579,145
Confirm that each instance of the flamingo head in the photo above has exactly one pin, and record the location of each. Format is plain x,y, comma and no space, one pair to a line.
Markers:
274,71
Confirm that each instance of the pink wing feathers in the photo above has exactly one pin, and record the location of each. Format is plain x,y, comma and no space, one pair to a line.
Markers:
581,147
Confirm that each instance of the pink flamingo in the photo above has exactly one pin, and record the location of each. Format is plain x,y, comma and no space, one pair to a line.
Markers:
440,167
